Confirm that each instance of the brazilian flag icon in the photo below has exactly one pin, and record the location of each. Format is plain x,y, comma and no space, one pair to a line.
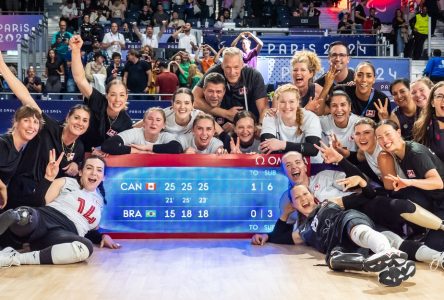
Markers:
151,213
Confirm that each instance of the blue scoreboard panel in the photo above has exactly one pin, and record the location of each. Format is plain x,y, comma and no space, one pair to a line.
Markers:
192,193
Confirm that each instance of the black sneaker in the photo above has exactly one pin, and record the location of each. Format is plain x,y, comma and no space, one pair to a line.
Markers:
380,261
393,276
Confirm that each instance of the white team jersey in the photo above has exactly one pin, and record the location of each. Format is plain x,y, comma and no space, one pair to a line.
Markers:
187,141
372,160
136,136
83,208
344,135
311,126
172,127
322,185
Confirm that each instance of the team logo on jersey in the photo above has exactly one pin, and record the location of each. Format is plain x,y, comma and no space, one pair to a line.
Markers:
220,121
370,113
111,132
314,224
243,90
411,174
317,187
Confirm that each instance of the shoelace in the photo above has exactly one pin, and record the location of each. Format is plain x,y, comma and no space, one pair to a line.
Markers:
438,261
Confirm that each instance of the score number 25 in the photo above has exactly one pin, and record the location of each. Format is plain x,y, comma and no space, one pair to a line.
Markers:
186,186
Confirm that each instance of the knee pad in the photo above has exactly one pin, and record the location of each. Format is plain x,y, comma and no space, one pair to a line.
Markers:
25,214
68,253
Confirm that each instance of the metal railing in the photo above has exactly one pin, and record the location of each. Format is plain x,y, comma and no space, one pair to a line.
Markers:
33,48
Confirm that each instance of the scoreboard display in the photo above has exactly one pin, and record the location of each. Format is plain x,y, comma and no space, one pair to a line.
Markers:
197,193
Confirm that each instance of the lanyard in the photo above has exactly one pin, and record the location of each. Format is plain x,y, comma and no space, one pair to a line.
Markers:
369,101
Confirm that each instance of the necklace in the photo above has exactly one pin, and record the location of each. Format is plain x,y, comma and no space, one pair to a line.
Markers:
69,151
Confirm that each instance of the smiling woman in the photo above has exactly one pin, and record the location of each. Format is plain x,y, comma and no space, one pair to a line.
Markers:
65,138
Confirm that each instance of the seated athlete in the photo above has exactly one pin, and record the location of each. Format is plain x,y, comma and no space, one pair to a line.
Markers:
332,230
56,231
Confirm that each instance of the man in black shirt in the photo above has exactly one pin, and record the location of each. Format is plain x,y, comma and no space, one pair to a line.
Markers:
245,88
339,56
137,73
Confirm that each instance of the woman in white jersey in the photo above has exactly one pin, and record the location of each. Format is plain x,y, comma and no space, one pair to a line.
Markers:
293,128
56,231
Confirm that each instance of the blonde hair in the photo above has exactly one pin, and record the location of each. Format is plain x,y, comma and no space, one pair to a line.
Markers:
309,58
299,112
193,71
233,51
158,109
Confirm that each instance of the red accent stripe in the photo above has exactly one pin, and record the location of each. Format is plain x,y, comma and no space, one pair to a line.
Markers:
141,235
193,160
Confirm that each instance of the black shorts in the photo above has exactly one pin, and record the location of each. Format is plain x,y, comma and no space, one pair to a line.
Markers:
48,219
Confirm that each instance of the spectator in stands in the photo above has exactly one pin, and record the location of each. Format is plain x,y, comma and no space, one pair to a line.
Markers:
366,100
420,26
118,12
246,89
71,86
160,15
220,23
299,11
346,25
150,138
406,112
137,73
194,76
420,91
183,68
187,39
175,21
53,72
99,18
312,11
166,81
202,139
429,128
401,32
435,67
146,16
60,39
32,82
305,64
293,128
88,7
135,5
115,68
103,8
95,72
174,65
360,15
207,61
128,34
249,55
86,30
376,22
237,8
149,38
96,48
113,41
109,115
339,56
70,15
435,13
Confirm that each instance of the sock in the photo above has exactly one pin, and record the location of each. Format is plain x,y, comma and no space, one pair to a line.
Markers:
425,254
366,237
394,239
29,258
8,218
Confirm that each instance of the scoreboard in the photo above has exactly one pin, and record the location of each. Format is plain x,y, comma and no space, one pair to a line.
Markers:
192,193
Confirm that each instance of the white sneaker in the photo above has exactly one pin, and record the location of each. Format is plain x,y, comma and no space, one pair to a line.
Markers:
9,257
438,261
382,260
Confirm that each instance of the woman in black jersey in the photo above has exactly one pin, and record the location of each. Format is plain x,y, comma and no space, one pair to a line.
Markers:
429,128
406,113
26,124
63,138
366,100
424,172
53,71
109,116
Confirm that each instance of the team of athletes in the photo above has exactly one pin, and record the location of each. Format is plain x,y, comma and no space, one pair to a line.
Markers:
52,196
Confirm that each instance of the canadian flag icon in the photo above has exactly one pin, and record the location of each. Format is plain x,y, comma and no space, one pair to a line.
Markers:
150,186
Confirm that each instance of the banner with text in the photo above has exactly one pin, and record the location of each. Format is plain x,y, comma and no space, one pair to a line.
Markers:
13,28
